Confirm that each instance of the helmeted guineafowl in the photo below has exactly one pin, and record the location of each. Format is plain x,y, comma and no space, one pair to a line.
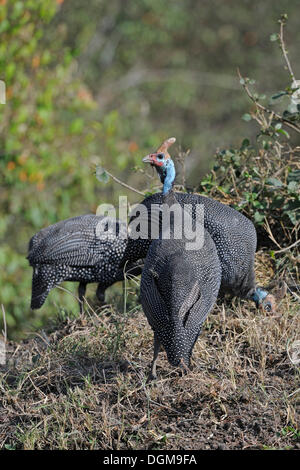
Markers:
85,249
179,286
234,236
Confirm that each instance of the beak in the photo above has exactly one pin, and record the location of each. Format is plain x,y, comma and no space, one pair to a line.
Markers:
148,159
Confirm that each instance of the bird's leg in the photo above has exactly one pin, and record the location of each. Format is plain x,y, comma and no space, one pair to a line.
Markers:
152,374
184,368
81,294
100,293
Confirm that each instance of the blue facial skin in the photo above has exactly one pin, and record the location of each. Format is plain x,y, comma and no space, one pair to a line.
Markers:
259,295
166,171
170,174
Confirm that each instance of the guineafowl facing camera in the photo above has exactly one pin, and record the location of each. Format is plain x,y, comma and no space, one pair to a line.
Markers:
179,286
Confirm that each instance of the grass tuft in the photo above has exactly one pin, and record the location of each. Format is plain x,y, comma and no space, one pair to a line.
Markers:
81,384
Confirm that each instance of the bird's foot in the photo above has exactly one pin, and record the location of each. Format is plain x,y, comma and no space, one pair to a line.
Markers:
183,367
151,377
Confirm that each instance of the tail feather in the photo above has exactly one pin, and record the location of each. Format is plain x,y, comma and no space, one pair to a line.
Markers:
44,278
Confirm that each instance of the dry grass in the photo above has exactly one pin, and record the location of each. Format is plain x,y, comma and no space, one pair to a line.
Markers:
82,385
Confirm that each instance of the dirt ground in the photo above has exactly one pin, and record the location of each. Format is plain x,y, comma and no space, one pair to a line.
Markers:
81,383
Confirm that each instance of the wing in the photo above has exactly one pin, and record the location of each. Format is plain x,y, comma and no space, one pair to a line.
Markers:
79,241
193,297
153,303
196,308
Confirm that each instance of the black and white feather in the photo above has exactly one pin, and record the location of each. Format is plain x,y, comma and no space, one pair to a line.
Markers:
178,290
233,234
179,285
85,249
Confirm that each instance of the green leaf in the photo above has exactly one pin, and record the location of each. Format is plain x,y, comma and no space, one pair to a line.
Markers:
294,176
292,205
285,133
245,143
258,217
10,447
246,117
274,182
292,187
273,37
292,218
278,95
76,126
265,144
272,254
102,175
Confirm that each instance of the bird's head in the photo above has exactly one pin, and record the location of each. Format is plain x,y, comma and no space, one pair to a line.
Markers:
264,301
175,341
163,163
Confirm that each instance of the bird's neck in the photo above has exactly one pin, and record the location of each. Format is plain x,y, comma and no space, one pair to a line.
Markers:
168,181
169,177
169,198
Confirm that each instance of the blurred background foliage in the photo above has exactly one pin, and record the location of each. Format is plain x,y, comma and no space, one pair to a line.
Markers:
103,83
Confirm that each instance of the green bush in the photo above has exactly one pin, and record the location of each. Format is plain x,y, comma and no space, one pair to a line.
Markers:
263,180
49,138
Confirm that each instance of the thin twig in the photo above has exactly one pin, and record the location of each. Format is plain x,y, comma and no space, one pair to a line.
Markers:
284,51
288,247
294,393
4,331
124,184
181,157
271,236
266,110
233,182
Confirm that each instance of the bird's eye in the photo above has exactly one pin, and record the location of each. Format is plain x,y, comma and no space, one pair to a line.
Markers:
160,156
268,307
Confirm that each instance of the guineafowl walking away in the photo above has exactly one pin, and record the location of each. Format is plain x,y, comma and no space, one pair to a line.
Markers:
84,249
233,234
179,286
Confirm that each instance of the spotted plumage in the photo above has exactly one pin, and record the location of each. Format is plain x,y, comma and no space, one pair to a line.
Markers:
178,289
85,249
233,234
